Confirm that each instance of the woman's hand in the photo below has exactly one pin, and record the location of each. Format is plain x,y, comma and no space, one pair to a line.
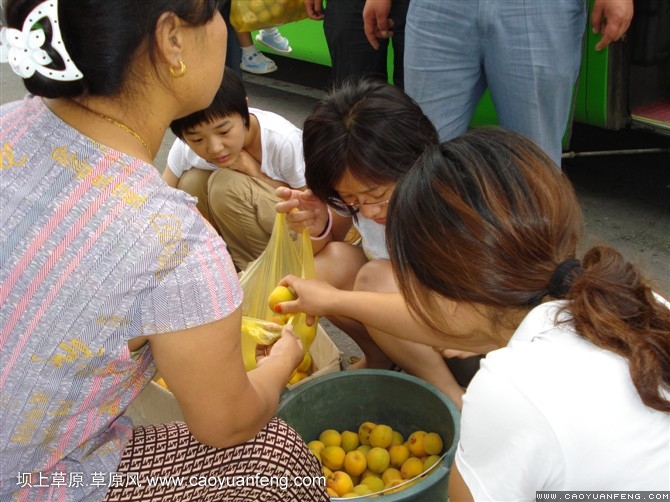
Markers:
313,297
303,210
287,347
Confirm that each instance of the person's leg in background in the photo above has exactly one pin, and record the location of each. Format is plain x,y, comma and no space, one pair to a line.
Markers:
443,62
253,60
532,62
234,50
350,52
270,37
399,16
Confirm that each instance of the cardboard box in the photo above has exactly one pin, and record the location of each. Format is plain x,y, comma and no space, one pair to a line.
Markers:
157,405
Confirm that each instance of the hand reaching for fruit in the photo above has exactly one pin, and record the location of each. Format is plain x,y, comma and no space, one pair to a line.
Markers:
313,297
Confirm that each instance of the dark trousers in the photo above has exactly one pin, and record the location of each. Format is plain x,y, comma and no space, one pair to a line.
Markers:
351,53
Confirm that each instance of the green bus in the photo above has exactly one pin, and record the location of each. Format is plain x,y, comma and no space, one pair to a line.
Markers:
626,85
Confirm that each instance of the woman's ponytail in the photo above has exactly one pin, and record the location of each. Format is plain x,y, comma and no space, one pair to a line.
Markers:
615,309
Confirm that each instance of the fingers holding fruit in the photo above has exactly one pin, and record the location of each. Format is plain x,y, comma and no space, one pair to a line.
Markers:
313,297
279,295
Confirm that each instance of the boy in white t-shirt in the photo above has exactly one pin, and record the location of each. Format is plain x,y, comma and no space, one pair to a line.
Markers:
231,158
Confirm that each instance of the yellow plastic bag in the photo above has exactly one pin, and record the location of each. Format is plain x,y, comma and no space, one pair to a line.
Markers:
249,15
286,253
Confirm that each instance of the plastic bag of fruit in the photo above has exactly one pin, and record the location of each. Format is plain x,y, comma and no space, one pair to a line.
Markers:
286,253
249,15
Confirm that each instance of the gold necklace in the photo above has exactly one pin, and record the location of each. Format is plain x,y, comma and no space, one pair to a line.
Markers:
118,124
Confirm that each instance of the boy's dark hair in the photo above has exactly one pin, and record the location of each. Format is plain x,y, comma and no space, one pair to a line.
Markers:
230,99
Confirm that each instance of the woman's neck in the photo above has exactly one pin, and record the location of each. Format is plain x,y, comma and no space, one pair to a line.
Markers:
128,129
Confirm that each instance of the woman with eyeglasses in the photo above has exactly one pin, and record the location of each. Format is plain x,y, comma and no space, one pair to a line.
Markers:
358,141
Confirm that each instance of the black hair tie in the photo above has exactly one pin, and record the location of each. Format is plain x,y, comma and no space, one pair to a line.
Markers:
563,276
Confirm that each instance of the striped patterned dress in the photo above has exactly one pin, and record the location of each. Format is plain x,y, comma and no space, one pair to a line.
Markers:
94,250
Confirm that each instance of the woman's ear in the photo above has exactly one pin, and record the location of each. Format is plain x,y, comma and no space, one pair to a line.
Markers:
170,39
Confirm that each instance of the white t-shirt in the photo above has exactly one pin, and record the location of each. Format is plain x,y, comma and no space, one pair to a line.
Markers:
281,151
551,411
373,238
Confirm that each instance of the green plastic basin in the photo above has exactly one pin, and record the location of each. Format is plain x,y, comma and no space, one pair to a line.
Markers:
345,399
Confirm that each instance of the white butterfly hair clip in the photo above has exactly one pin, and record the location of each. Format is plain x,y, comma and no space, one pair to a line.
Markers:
23,49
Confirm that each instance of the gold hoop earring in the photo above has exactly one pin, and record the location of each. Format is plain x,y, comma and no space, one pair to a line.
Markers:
180,73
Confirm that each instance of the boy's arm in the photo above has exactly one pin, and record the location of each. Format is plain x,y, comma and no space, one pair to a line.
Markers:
169,177
248,165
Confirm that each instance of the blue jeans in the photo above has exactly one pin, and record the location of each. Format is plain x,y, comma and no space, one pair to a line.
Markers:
527,52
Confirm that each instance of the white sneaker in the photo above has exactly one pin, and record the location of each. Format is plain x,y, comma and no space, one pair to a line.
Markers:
257,63
274,40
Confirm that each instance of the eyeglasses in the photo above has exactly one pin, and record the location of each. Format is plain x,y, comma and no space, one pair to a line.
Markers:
354,207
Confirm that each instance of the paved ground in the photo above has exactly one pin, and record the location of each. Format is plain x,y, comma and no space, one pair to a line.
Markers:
625,197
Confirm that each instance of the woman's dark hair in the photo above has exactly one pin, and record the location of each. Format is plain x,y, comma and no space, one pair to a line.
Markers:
368,127
487,218
230,99
101,37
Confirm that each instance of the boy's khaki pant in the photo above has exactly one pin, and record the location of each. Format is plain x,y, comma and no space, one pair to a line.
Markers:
241,208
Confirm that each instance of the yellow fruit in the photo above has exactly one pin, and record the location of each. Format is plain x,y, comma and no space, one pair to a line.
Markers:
249,18
278,295
365,448
161,382
341,482
331,492
364,431
430,462
305,333
415,443
296,376
326,472
381,436
368,472
432,443
256,6
374,482
306,363
333,457
397,438
276,10
390,474
350,441
378,459
279,319
330,437
398,453
315,446
412,467
398,485
362,489
355,463
350,495
264,16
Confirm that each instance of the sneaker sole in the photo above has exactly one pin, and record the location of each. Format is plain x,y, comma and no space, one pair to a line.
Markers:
258,72
286,51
